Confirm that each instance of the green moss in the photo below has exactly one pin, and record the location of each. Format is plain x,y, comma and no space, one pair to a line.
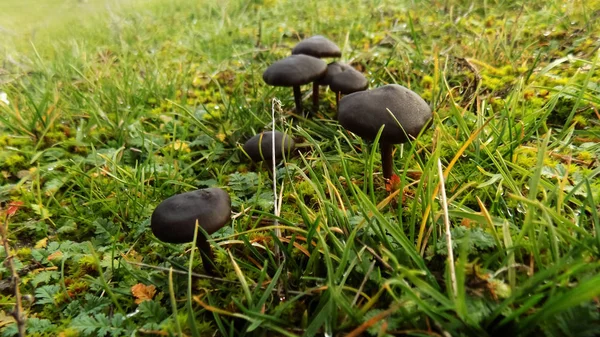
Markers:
54,137
24,253
537,102
497,103
305,188
427,82
505,70
14,162
585,155
580,121
208,59
550,162
426,95
87,263
69,332
19,142
492,83
526,158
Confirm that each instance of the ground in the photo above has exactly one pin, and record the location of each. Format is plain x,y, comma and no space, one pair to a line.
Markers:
107,108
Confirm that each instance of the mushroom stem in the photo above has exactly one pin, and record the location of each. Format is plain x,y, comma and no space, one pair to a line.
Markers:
315,97
207,255
298,99
387,161
338,95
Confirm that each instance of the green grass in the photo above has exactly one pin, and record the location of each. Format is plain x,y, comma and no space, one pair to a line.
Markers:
26,21
122,104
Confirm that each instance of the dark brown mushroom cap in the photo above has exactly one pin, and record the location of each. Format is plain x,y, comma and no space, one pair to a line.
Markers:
295,70
365,112
260,147
317,46
333,69
344,78
174,219
349,80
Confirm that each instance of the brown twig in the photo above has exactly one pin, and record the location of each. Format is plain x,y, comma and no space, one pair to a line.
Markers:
375,255
373,320
472,88
17,312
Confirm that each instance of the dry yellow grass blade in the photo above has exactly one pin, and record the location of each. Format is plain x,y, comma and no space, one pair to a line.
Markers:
220,311
446,173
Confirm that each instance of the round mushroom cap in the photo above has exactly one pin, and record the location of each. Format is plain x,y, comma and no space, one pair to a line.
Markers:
317,46
295,70
260,147
365,112
174,219
349,80
333,69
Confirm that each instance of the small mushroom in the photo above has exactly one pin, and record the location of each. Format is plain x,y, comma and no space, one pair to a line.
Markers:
333,69
294,71
260,147
174,219
317,46
343,79
403,112
320,47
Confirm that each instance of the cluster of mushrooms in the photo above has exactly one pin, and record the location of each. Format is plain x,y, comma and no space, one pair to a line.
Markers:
401,112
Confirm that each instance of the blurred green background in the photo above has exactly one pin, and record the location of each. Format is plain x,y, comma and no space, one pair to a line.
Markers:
26,21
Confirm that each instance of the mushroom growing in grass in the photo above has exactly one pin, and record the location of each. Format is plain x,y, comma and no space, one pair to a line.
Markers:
343,79
317,46
320,47
294,71
260,147
403,112
174,219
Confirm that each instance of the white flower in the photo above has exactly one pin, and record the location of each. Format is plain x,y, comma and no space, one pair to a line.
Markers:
4,98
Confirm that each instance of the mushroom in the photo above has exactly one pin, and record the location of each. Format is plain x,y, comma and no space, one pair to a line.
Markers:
260,147
294,71
174,219
343,79
403,112
320,47
317,46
